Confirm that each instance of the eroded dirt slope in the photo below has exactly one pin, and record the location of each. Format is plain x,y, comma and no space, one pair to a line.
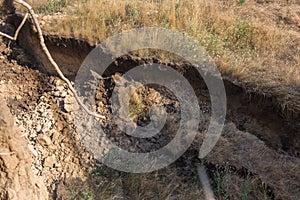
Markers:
249,151
17,178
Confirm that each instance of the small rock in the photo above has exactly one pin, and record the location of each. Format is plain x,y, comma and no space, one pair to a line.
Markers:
69,100
45,114
57,165
44,140
42,23
59,126
153,140
18,97
58,82
50,161
63,94
47,126
56,93
60,88
38,128
55,137
68,107
32,134
32,150
100,104
68,118
98,96
43,98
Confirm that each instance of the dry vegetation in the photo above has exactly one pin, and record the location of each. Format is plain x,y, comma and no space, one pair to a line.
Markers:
250,41
254,42
241,44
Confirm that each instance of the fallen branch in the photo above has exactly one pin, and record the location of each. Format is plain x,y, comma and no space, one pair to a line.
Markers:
46,51
17,31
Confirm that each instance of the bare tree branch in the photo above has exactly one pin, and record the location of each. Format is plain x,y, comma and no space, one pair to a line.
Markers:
46,51
17,31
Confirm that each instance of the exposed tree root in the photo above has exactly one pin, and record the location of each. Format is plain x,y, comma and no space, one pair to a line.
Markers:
46,51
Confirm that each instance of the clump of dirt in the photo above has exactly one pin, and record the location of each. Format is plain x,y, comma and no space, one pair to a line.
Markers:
17,178
245,151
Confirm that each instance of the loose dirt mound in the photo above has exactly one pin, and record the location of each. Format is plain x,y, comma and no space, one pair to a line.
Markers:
17,178
245,151
41,104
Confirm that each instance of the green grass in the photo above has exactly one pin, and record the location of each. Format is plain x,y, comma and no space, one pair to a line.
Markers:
54,6
222,185
83,193
246,188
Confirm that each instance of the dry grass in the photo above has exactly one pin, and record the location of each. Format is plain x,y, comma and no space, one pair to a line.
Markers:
242,47
162,184
245,46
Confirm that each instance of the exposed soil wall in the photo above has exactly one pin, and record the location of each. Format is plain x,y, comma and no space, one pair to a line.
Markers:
16,178
257,135
272,124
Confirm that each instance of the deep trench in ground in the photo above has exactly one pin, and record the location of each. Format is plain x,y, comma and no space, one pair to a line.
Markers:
250,111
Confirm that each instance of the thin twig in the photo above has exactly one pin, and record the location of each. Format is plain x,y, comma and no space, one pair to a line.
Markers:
17,31
57,69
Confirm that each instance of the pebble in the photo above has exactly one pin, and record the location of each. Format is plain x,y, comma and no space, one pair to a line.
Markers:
59,126
60,88
63,94
57,165
55,137
38,128
98,96
56,93
44,140
32,150
43,98
68,118
69,100
68,107
42,23
47,126
50,161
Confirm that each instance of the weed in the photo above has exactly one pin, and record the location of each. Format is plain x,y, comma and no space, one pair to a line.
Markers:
87,195
132,12
225,34
242,1
246,189
241,36
54,6
195,175
136,107
81,193
222,189
165,21
214,45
